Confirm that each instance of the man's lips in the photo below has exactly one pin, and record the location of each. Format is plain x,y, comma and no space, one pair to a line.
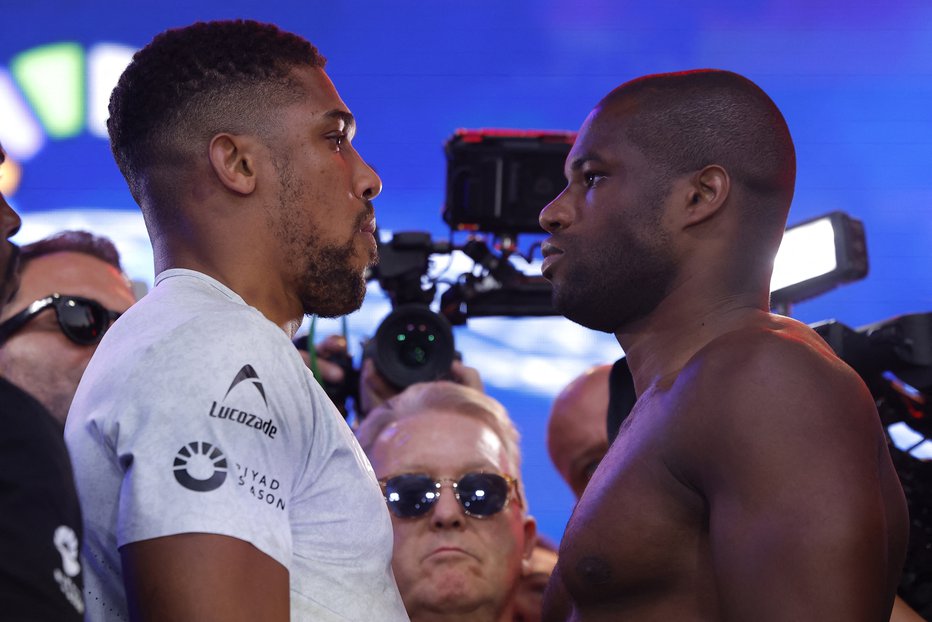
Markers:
551,253
448,551
368,226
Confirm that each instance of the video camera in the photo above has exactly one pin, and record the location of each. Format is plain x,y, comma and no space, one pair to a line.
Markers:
892,354
497,183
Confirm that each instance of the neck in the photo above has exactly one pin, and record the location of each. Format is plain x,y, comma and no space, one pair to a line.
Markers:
659,346
244,268
485,612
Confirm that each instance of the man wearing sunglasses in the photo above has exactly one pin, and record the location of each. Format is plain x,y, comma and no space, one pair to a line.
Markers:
218,481
40,520
71,289
447,459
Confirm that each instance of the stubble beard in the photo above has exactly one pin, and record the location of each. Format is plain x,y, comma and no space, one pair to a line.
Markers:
326,282
621,282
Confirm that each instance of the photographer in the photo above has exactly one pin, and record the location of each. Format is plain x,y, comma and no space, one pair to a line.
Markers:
366,386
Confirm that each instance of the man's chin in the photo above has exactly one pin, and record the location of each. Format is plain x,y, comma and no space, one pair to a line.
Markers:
590,316
335,307
453,594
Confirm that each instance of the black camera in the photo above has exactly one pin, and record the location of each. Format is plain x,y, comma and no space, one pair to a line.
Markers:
498,181
412,344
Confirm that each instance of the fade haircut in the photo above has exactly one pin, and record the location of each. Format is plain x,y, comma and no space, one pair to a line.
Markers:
685,121
72,242
189,84
446,396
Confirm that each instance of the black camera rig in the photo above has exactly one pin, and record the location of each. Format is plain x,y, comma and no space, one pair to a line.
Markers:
498,181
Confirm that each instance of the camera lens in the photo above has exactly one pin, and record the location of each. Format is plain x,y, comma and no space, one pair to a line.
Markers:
416,343
413,344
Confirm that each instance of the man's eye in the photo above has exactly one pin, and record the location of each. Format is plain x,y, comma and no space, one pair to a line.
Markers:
337,139
591,179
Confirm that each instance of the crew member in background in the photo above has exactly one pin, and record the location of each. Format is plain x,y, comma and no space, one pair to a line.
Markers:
448,460
40,521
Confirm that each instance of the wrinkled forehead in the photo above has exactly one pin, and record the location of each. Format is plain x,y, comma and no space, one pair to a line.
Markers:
439,439
72,273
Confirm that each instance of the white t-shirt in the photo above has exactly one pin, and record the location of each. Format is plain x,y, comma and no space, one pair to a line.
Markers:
196,414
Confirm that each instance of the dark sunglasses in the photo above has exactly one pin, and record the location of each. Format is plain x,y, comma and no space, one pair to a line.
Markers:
82,320
481,495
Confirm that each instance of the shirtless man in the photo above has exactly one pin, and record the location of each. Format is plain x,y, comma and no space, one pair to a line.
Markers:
751,481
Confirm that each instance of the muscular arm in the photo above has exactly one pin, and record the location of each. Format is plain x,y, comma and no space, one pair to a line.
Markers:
203,577
806,518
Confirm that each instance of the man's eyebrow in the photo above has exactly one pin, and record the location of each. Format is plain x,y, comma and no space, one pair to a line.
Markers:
581,161
341,115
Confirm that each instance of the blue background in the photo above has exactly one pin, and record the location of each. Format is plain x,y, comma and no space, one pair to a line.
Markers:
854,80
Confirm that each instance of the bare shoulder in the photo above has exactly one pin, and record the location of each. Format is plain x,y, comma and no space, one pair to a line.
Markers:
776,387
783,362
783,443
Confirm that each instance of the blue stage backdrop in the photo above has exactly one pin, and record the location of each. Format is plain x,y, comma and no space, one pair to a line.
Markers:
854,80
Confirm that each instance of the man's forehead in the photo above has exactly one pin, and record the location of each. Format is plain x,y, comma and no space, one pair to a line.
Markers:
321,96
608,120
602,138
74,274
435,438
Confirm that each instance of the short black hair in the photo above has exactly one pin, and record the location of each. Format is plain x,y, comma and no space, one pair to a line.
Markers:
72,242
687,120
188,84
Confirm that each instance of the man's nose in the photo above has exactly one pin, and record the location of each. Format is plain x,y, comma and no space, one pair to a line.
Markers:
367,183
556,215
447,512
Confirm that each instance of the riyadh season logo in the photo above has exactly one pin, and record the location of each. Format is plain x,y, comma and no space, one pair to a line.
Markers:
200,467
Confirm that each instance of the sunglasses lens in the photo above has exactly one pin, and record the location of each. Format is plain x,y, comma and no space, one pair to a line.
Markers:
82,321
483,494
410,495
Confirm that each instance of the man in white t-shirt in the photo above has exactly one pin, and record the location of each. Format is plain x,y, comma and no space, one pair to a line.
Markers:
218,481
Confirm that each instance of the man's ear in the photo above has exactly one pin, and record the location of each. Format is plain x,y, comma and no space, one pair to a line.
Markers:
706,194
530,541
233,160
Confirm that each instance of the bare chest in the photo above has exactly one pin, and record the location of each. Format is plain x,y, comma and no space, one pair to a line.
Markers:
638,530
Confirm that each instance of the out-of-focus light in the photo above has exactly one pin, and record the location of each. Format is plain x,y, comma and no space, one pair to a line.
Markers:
20,134
923,451
903,436
105,63
10,174
52,78
818,255
806,252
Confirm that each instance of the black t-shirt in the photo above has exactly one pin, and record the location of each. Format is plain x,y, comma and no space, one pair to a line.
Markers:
40,520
